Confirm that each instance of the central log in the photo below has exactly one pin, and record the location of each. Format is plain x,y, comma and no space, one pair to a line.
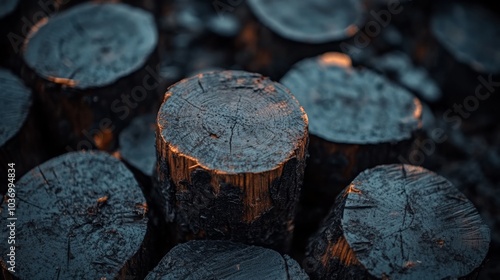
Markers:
231,150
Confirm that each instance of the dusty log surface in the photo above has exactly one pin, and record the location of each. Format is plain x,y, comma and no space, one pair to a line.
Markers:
231,150
91,67
225,260
20,137
399,222
78,217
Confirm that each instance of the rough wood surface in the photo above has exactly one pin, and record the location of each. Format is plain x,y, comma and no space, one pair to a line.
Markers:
317,21
20,140
399,222
91,67
78,217
225,260
231,150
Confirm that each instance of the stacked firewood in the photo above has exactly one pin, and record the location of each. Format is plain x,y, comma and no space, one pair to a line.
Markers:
249,140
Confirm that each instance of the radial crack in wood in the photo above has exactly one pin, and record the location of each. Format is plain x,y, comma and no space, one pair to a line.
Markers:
231,149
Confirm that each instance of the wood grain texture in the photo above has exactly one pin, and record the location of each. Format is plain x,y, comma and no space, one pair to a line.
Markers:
78,218
106,54
225,260
399,222
231,150
317,21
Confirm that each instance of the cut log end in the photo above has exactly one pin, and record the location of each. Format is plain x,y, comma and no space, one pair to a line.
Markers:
232,122
137,144
84,220
91,45
225,260
15,107
312,22
478,50
7,7
229,138
403,222
352,106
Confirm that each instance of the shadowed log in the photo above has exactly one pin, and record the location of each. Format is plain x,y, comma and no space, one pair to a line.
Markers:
464,61
399,222
358,119
137,144
317,21
280,33
79,216
20,138
91,68
225,260
231,150
8,7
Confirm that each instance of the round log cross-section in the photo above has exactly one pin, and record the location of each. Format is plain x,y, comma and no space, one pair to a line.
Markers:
21,140
399,222
215,259
91,67
358,119
231,150
76,216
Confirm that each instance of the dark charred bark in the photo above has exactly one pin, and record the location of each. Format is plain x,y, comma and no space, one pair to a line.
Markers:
231,150
92,67
399,222
225,260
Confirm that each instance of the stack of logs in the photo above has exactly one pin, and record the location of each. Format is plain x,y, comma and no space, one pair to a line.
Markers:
244,169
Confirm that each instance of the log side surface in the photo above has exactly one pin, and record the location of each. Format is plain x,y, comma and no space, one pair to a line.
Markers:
231,150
